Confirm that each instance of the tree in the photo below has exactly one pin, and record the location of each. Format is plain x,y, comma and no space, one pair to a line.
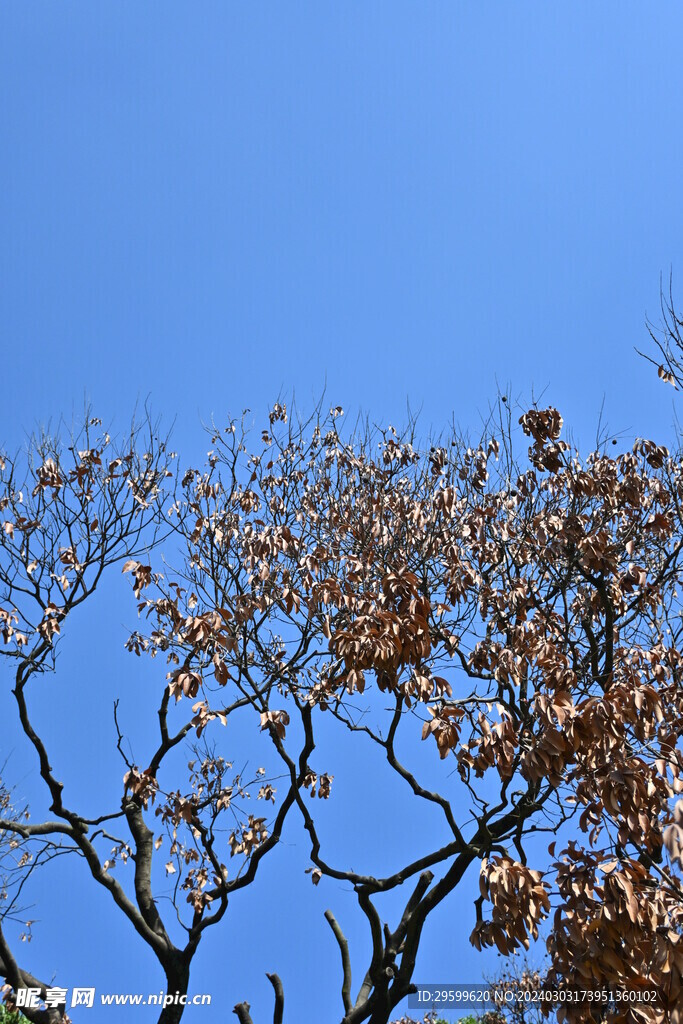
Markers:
518,612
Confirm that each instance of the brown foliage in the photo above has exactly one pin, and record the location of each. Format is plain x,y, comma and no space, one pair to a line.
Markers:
522,613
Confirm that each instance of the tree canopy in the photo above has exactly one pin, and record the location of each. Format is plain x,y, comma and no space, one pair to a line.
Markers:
514,606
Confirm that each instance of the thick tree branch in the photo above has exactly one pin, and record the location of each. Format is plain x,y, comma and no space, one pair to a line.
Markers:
144,849
243,1015
345,958
279,1008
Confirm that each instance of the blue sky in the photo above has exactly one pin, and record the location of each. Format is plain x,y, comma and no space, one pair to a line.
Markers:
209,205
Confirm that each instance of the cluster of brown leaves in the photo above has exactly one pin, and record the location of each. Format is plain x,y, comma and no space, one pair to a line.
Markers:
519,899
621,927
142,785
320,783
249,837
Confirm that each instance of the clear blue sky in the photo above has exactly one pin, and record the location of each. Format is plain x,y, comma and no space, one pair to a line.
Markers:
209,204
